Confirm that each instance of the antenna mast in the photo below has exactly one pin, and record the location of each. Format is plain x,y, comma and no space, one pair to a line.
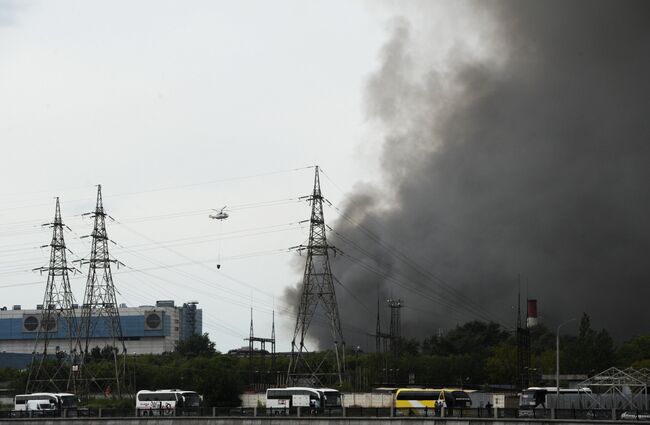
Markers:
317,291
57,320
523,346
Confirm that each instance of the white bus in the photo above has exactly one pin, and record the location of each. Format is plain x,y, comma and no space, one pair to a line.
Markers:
320,399
545,397
165,402
331,398
39,401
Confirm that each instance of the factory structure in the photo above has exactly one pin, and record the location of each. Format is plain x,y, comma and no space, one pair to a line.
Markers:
146,329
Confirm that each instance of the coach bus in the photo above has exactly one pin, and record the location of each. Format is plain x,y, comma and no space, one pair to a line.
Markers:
45,401
331,398
545,397
429,401
320,399
165,402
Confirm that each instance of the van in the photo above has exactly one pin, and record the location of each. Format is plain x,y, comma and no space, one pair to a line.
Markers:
40,407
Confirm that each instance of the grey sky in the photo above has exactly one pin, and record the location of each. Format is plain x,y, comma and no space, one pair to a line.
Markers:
180,107
149,95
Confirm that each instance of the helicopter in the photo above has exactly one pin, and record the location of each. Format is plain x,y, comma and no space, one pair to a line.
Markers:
220,215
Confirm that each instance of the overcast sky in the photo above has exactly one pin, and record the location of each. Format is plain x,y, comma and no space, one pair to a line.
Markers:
478,140
177,108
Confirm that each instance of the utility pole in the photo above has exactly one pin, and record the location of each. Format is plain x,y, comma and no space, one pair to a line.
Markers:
273,342
57,320
382,344
378,334
317,291
557,360
523,349
395,325
383,339
99,312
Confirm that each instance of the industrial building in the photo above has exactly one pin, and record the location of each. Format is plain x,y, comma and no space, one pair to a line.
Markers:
147,329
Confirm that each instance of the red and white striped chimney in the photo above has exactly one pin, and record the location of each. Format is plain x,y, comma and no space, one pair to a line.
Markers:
531,318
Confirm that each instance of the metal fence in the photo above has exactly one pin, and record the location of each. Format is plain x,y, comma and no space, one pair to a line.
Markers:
570,414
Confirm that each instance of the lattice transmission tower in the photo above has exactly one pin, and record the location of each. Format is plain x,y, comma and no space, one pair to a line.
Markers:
51,368
317,291
100,314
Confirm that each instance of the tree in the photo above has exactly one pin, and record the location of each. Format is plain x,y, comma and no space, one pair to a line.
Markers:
409,346
218,379
591,352
604,351
633,351
196,345
436,346
472,337
541,339
502,365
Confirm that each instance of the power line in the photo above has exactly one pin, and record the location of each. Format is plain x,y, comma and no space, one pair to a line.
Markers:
160,189
462,301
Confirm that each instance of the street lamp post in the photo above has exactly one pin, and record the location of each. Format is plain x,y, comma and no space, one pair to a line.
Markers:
557,360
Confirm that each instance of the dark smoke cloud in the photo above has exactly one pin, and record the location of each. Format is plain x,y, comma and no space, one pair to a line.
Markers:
536,161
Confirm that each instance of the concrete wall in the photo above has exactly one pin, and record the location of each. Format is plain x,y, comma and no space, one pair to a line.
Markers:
253,399
368,400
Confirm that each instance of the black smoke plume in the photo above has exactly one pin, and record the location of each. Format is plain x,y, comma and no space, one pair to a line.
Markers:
534,161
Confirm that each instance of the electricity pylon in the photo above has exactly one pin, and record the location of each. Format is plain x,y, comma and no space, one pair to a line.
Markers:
56,321
99,312
317,290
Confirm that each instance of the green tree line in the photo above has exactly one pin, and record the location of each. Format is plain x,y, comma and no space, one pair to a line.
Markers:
475,354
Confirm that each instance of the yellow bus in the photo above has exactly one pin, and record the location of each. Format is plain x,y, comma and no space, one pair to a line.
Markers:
429,401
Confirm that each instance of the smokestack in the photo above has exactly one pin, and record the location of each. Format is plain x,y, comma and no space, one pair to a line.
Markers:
531,317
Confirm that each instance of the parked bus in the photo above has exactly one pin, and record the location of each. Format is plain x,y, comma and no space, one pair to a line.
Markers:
165,402
429,401
320,399
56,401
331,398
545,397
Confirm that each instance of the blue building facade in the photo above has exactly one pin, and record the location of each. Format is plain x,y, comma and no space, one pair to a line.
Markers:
152,329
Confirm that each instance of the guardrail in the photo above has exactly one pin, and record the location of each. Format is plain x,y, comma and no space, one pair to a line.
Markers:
349,412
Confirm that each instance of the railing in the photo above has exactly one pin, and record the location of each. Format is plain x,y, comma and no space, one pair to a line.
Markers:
351,412
571,414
